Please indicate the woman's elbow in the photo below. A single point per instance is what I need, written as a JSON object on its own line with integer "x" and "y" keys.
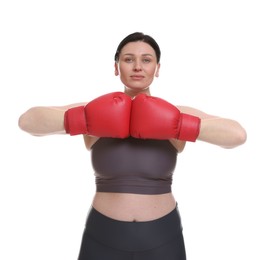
{"x": 22, "y": 122}
{"x": 239, "y": 138}
{"x": 25, "y": 121}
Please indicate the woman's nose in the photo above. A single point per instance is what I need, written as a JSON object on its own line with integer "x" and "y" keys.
{"x": 137, "y": 66}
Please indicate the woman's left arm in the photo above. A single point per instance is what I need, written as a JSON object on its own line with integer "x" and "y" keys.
{"x": 220, "y": 131}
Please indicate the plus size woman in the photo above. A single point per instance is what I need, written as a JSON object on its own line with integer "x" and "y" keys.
{"x": 134, "y": 139}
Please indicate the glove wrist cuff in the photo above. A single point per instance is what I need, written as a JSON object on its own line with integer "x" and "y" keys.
{"x": 75, "y": 121}
{"x": 190, "y": 128}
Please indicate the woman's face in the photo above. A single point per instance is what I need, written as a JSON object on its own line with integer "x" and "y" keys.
{"x": 137, "y": 66}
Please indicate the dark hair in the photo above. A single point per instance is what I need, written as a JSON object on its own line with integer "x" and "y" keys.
{"x": 139, "y": 36}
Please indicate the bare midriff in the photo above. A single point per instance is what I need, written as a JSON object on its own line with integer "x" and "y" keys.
{"x": 133, "y": 207}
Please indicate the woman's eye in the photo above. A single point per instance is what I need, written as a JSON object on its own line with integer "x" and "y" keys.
{"x": 128, "y": 60}
{"x": 146, "y": 60}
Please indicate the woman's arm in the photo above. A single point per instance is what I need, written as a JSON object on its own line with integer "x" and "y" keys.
{"x": 40, "y": 121}
{"x": 224, "y": 132}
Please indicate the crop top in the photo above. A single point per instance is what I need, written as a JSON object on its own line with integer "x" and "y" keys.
{"x": 140, "y": 166}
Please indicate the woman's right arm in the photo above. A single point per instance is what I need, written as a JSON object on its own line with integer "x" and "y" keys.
{"x": 40, "y": 121}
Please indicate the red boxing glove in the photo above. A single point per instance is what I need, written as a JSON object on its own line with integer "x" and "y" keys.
{"x": 105, "y": 116}
{"x": 155, "y": 118}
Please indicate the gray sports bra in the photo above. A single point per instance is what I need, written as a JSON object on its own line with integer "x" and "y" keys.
{"x": 133, "y": 165}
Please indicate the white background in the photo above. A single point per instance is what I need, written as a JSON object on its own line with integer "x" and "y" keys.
{"x": 60, "y": 52}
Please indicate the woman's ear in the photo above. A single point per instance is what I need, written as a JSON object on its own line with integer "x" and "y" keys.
{"x": 116, "y": 69}
{"x": 157, "y": 70}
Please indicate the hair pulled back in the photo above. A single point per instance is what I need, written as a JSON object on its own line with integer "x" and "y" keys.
{"x": 135, "y": 37}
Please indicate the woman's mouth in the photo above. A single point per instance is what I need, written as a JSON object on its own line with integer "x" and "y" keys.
{"x": 136, "y": 77}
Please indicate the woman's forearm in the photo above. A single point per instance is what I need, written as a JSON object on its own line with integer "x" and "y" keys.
{"x": 41, "y": 121}
{"x": 226, "y": 133}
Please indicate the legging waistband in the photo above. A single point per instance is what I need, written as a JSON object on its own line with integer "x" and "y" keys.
{"x": 133, "y": 236}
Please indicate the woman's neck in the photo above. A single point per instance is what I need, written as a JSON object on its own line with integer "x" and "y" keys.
{"x": 133, "y": 92}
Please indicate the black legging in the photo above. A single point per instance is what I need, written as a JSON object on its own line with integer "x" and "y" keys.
{"x": 108, "y": 239}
